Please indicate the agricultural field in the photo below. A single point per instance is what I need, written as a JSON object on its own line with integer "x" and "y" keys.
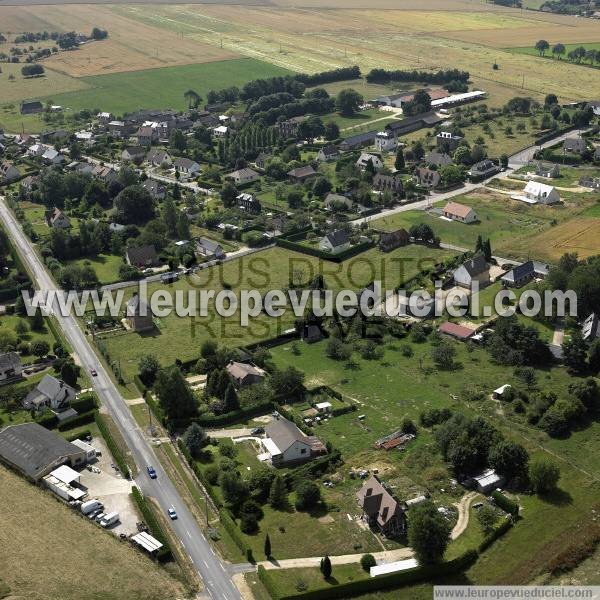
{"x": 110, "y": 565}
{"x": 531, "y": 51}
{"x": 181, "y": 337}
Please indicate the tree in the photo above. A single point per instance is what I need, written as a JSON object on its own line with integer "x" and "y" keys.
{"x": 232, "y": 487}
{"x": 559, "y": 50}
{"x": 170, "y": 217}
{"x": 147, "y": 369}
{"x": 308, "y": 495}
{"x": 195, "y": 439}
{"x": 543, "y": 475}
{"x": 326, "y": 567}
{"x": 174, "y": 394}
{"x": 288, "y": 382}
{"x": 321, "y": 187}
{"x": 399, "y": 163}
{"x": 594, "y": 356}
{"x": 550, "y": 100}
{"x": 443, "y": 355}
{"x": 231, "y": 399}
{"x": 278, "y": 493}
{"x": 347, "y": 102}
{"x": 267, "y": 546}
{"x": 509, "y": 459}
{"x": 229, "y": 194}
{"x": 69, "y": 372}
{"x": 487, "y": 518}
{"x": 367, "y": 561}
{"x": 332, "y": 131}
{"x": 134, "y": 206}
{"x": 177, "y": 140}
{"x": 541, "y": 46}
{"x": 40, "y": 348}
{"x": 421, "y": 103}
{"x": 21, "y": 328}
{"x": 192, "y": 98}
{"x": 462, "y": 155}
{"x": 37, "y": 324}
{"x": 428, "y": 534}
{"x": 575, "y": 353}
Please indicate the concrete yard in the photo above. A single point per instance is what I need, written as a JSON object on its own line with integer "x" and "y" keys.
{"x": 111, "y": 488}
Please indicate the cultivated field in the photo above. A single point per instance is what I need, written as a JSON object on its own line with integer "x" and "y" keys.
{"x": 54, "y": 553}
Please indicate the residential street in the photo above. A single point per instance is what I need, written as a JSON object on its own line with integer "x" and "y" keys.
{"x": 217, "y": 582}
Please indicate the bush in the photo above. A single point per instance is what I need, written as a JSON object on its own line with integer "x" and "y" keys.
{"x": 507, "y": 505}
{"x": 308, "y": 495}
{"x": 367, "y": 561}
{"x": 81, "y": 419}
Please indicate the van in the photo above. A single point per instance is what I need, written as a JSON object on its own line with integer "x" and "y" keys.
{"x": 109, "y": 519}
{"x": 91, "y": 505}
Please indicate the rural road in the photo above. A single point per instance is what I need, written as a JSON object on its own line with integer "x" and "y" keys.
{"x": 217, "y": 581}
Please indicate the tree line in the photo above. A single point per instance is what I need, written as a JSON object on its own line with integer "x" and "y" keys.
{"x": 383, "y": 76}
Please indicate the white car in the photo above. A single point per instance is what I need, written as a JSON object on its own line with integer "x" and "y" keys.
{"x": 172, "y": 513}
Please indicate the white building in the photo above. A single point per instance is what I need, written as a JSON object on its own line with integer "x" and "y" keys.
{"x": 61, "y": 481}
{"x": 89, "y": 450}
{"x": 385, "y": 141}
{"x": 538, "y": 193}
{"x": 364, "y": 159}
{"x": 286, "y": 444}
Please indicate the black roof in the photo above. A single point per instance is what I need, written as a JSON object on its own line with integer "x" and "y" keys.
{"x": 360, "y": 138}
{"x": 426, "y": 119}
{"x": 338, "y": 237}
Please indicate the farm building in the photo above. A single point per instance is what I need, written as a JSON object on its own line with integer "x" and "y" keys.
{"x": 358, "y": 141}
{"x": 34, "y": 451}
{"x": 138, "y": 315}
{"x": 474, "y": 269}
{"x": 380, "y": 509}
{"x": 245, "y": 374}
{"x": 301, "y": 174}
{"x": 521, "y": 274}
{"x": 538, "y": 193}
{"x": 285, "y": 444}
{"x": 487, "y": 481}
{"x": 459, "y": 332}
{"x": 459, "y": 212}
{"x": 90, "y": 451}
{"x": 61, "y": 481}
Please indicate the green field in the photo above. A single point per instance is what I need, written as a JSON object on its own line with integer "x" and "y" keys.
{"x": 105, "y": 265}
{"x": 181, "y": 337}
{"x": 531, "y": 51}
{"x": 163, "y": 88}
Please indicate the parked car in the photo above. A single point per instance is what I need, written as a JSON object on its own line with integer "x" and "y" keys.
{"x": 257, "y": 430}
{"x": 91, "y": 516}
{"x": 99, "y": 517}
{"x": 151, "y": 472}
{"x": 172, "y": 513}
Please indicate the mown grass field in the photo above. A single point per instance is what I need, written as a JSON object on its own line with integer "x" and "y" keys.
{"x": 181, "y": 337}
{"x": 41, "y": 533}
{"x": 531, "y": 51}
{"x": 105, "y": 265}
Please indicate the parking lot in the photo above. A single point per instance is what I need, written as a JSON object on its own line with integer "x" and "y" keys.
{"x": 111, "y": 489}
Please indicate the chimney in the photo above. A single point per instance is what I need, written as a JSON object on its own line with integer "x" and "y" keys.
{"x": 384, "y": 514}
{"x": 369, "y": 491}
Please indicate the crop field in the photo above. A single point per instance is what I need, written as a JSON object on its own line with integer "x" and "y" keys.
{"x": 578, "y": 235}
{"x": 70, "y": 541}
{"x": 181, "y": 337}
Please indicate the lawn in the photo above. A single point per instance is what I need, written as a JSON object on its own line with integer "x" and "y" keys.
{"x": 32, "y": 518}
{"x": 361, "y": 121}
{"x": 271, "y": 269}
{"x": 569, "y": 176}
{"x": 106, "y": 266}
{"x": 8, "y": 324}
{"x": 163, "y": 87}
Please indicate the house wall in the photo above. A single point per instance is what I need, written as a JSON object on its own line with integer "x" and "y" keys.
{"x": 298, "y": 451}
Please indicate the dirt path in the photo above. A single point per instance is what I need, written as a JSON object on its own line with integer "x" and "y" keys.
{"x": 558, "y": 335}
{"x": 229, "y": 433}
{"x": 463, "y": 514}
{"x": 314, "y": 561}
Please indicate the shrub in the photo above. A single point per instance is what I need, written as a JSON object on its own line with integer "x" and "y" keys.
{"x": 367, "y": 561}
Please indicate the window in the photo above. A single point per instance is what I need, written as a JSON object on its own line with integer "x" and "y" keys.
{"x": 303, "y": 451}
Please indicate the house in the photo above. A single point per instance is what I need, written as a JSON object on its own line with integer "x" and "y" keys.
{"x": 446, "y": 141}
{"x": 245, "y": 374}
{"x": 483, "y": 169}
{"x": 35, "y": 451}
{"x": 133, "y": 153}
{"x": 574, "y": 145}
{"x": 327, "y": 153}
{"x": 243, "y": 176}
{"x": 459, "y": 332}
{"x": 155, "y": 188}
{"x": 142, "y": 257}
{"x": 50, "y": 393}
{"x": 336, "y": 241}
{"x": 590, "y": 329}
{"x": 29, "y": 184}
{"x": 366, "y": 157}
{"x": 146, "y": 135}
{"x": 323, "y": 408}
{"x": 439, "y": 159}
{"x": 337, "y": 202}
{"x": 521, "y": 274}
{"x": 390, "y": 240}
{"x": 104, "y": 173}
{"x": 248, "y": 202}
{"x": 10, "y": 366}
{"x": 474, "y": 269}
{"x": 262, "y": 159}
{"x": 359, "y": 140}
{"x": 394, "y": 100}
{"x": 31, "y": 108}
{"x": 119, "y": 129}
{"x": 301, "y": 174}
{"x": 57, "y": 219}
{"x": 590, "y": 182}
{"x": 187, "y": 166}
{"x": 459, "y": 212}
{"x": 393, "y": 183}
{"x": 538, "y": 193}
{"x": 52, "y": 157}
{"x": 487, "y": 481}
{"x": 311, "y": 333}
{"x": 385, "y": 141}
{"x": 220, "y": 130}
{"x": 399, "y": 128}
{"x": 157, "y": 157}
{"x": 289, "y": 128}
{"x": 104, "y": 117}
{"x": 209, "y": 248}
{"x": 380, "y": 509}
{"x": 55, "y": 135}
{"x": 426, "y": 178}
{"x": 286, "y": 445}
{"x": 547, "y": 170}
{"x": 8, "y": 172}
{"x": 138, "y": 315}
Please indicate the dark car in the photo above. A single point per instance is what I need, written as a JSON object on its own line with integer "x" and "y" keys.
{"x": 257, "y": 430}
{"x": 151, "y": 472}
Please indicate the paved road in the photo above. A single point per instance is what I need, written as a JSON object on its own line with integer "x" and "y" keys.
{"x": 217, "y": 580}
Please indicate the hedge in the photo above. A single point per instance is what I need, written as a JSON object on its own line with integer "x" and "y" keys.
{"x": 313, "y": 469}
{"x": 365, "y": 586}
{"x": 85, "y": 402}
{"x": 80, "y": 419}
{"x": 47, "y": 419}
{"x": 507, "y": 505}
{"x": 235, "y": 534}
{"x": 112, "y": 445}
{"x": 155, "y": 407}
{"x": 494, "y": 535}
{"x": 164, "y": 554}
{"x": 78, "y": 436}
{"x": 198, "y": 472}
{"x": 226, "y": 419}
{"x": 140, "y": 384}
{"x": 339, "y": 257}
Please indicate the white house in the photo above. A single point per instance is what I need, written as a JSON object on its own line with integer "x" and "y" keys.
{"x": 220, "y": 131}
{"x": 474, "y": 269}
{"x": 58, "y": 220}
{"x": 242, "y": 176}
{"x": 364, "y": 159}
{"x": 187, "y": 166}
{"x": 385, "y": 141}
{"x": 335, "y": 242}
{"x": 590, "y": 329}
{"x": 538, "y": 193}
{"x": 10, "y": 366}
{"x": 286, "y": 444}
